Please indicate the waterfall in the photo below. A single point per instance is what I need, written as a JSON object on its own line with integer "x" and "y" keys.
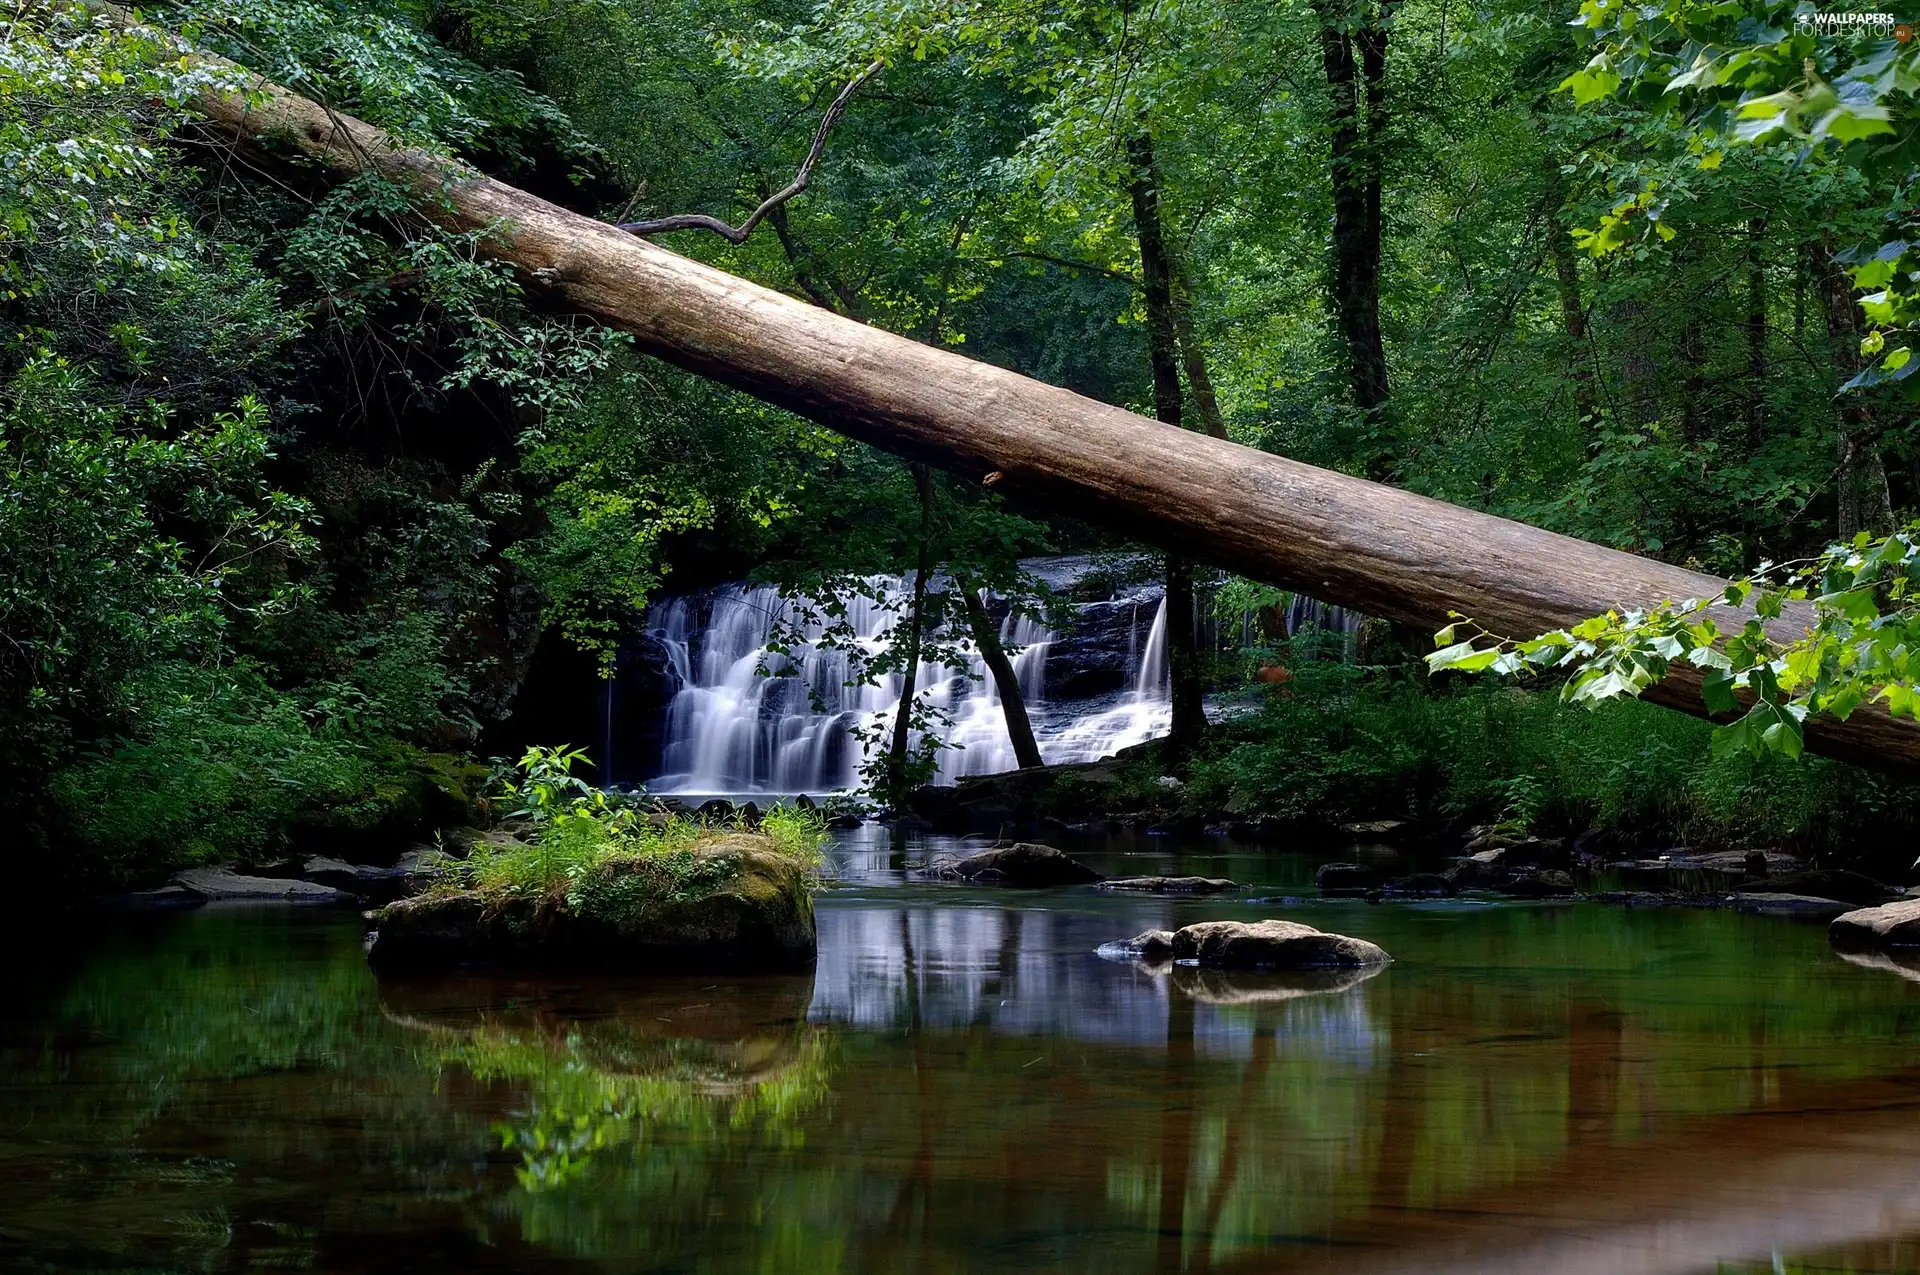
{"x": 1305, "y": 613}
{"x": 728, "y": 729}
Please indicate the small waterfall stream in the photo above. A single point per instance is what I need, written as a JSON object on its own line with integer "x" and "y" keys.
{"x": 731, "y": 729}
{"x": 717, "y": 725}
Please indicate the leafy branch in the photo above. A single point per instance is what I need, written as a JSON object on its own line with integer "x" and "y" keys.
{"x": 1860, "y": 648}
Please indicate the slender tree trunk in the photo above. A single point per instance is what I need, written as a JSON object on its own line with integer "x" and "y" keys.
{"x": 1019, "y": 728}
{"x": 1354, "y": 158}
{"x": 1189, "y": 719}
{"x": 1756, "y": 326}
{"x": 1862, "y": 501}
{"x": 1573, "y": 312}
{"x": 1193, "y": 357}
{"x": 909, "y": 675}
{"x": 1802, "y": 274}
{"x": 1639, "y": 369}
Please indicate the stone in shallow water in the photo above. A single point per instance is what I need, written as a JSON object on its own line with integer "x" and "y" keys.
{"x": 1869, "y": 929}
{"x": 1274, "y": 945}
{"x": 1345, "y": 878}
{"x": 1024, "y": 863}
{"x": 1763, "y": 903}
{"x": 223, "y": 885}
{"x": 1172, "y": 885}
{"x": 1548, "y": 884}
{"x": 758, "y": 916}
{"x": 1152, "y": 946}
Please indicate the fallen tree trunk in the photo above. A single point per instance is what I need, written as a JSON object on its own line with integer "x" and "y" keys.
{"x": 1343, "y": 539}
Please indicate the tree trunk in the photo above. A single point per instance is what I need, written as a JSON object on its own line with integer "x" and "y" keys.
{"x": 1861, "y": 499}
{"x": 1188, "y": 722}
{"x": 1756, "y": 326}
{"x": 1019, "y": 729}
{"x": 1387, "y": 552}
{"x": 1573, "y": 313}
{"x": 916, "y": 619}
{"x": 1193, "y": 358}
{"x": 1354, "y": 162}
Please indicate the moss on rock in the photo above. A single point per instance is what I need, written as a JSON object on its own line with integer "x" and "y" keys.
{"x": 732, "y": 901}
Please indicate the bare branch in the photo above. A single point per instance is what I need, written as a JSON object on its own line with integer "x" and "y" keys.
{"x": 700, "y": 221}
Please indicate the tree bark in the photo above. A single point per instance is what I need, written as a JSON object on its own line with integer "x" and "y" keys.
{"x": 916, "y": 620}
{"x": 1862, "y": 501}
{"x": 1756, "y": 326}
{"x": 1355, "y": 172}
{"x": 1019, "y": 727}
{"x": 1187, "y": 723}
{"x": 1573, "y": 313}
{"x": 1387, "y": 552}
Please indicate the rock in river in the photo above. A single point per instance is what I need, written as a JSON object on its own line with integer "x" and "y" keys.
{"x": 1870, "y": 929}
{"x": 1345, "y": 878}
{"x": 1271, "y": 945}
{"x": 1024, "y": 863}
{"x": 743, "y": 906}
{"x": 226, "y": 885}
{"x": 1172, "y": 885}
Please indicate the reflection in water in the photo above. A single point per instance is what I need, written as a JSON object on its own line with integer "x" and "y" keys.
{"x": 965, "y": 1085}
{"x": 606, "y": 1071}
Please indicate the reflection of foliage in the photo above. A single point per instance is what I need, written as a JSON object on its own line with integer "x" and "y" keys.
{"x": 595, "y": 1090}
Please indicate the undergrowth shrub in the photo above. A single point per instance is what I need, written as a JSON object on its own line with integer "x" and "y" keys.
{"x": 1340, "y": 744}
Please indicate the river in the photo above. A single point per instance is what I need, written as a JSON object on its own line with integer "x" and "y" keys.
{"x": 965, "y": 1085}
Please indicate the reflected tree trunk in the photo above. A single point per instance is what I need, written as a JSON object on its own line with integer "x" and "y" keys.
{"x": 1176, "y": 1134}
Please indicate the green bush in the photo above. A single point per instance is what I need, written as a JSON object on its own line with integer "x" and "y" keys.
{"x": 1341, "y": 744}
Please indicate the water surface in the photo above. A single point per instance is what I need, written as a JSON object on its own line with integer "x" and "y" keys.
{"x": 963, "y": 1085}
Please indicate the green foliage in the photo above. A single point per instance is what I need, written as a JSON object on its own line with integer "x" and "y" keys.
{"x": 597, "y": 854}
{"x": 1857, "y": 649}
{"x": 1356, "y": 747}
{"x": 1768, "y": 72}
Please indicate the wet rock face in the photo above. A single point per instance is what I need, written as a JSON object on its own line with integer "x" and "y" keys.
{"x": 1271, "y": 945}
{"x": 1092, "y": 660}
{"x": 1021, "y": 864}
{"x": 1891, "y": 925}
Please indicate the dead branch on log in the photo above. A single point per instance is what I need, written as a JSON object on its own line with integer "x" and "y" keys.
{"x": 738, "y": 234}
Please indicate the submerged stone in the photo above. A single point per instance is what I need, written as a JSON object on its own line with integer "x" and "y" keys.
{"x": 1548, "y": 884}
{"x": 1024, "y": 863}
{"x": 1832, "y": 883}
{"x": 745, "y": 907}
{"x": 1345, "y": 878}
{"x": 1768, "y": 903}
{"x": 1172, "y": 885}
{"x": 226, "y": 885}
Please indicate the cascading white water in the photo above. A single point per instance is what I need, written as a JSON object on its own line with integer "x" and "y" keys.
{"x": 730, "y": 729}
{"x": 1305, "y": 613}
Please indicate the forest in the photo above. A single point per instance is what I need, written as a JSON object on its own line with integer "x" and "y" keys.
{"x": 1154, "y": 637}
{"x": 311, "y": 507}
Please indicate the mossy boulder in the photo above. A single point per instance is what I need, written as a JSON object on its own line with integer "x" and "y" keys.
{"x": 737, "y": 903}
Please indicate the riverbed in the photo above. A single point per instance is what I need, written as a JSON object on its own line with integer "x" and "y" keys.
{"x": 963, "y": 1084}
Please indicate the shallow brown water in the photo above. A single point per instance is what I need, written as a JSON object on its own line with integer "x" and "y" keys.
{"x": 963, "y": 1085}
